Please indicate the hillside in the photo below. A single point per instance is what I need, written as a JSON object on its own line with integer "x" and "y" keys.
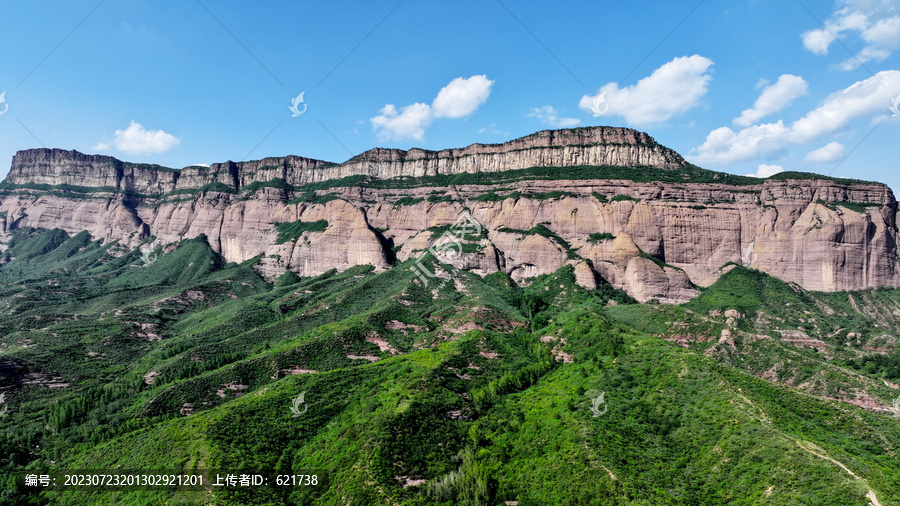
{"x": 573, "y": 317}
{"x": 471, "y": 391}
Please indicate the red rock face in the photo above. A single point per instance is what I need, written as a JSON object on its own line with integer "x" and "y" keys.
{"x": 796, "y": 230}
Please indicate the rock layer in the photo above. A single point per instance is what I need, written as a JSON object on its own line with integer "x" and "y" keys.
{"x": 654, "y": 240}
{"x": 548, "y": 148}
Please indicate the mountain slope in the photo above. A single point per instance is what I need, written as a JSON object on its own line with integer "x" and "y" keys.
{"x": 469, "y": 391}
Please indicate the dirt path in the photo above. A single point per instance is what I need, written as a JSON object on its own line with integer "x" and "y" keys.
{"x": 871, "y": 494}
{"x": 611, "y": 475}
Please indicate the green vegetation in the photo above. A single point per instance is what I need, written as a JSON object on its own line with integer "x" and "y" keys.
{"x": 596, "y": 237}
{"x": 556, "y": 194}
{"x": 622, "y": 198}
{"x": 407, "y": 201}
{"x": 655, "y": 260}
{"x": 70, "y": 191}
{"x": 783, "y": 176}
{"x": 433, "y": 199}
{"x": 859, "y": 207}
{"x": 317, "y": 193}
{"x": 439, "y": 230}
{"x": 478, "y": 386}
{"x": 542, "y": 230}
{"x": 689, "y": 174}
{"x": 209, "y": 187}
{"x": 600, "y": 198}
{"x": 255, "y": 186}
{"x": 494, "y": 197}
{"x": 746, "y": 290}
{"x": 878, "y": 365}
{"x": 311, "y": 197}
{"x": 290, "y": 231}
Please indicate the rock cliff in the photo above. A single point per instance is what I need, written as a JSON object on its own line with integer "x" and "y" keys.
{"x": 549, "y": 148}
{"x": 658, "y": 230}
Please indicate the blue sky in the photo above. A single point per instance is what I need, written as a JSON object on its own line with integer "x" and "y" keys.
{"x": 745, "y": 87}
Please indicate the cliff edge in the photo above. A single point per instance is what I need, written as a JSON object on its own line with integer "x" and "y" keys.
{"x": 611, "y": 202}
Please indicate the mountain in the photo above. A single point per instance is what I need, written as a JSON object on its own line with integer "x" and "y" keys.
{"x": 611, "y": 201}
{"x": 574, "y": 317}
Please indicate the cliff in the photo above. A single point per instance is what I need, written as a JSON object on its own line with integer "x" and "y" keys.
{"x": 657, "y": 229}
{"x": 549, "y": 148}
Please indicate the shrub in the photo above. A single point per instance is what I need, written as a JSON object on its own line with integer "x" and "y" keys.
{"x": 290, "y": 231}
{"x": 407, "y": 201}
{"x": 600, "y": 236}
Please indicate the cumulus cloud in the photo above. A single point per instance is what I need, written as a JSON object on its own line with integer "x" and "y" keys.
{"x": 767, "y": 170}
{"x": 459, "y": 99}
{"x": 859, "y": 99}
{"x": 549, "y": 116}
{"x": 411, "y": 122}
{"x": 724, "y": 145}
{"x": 863, "y": 98}
{"x": 773, "y": 98}
{"x": 830, "y": 152}
{"x": 136, "y": 140}
{"x": 875, "y": 22}
{"x": 672, "y": 89}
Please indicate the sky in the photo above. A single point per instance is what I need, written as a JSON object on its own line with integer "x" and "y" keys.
{"x": 744, "y": 86}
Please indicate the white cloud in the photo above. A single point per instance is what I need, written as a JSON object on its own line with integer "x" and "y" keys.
{"x": 411, "y": 122}
{"x": 458, "y": 99}
{"x": 830, "y": 152}
{"x": 493, "y": 130}
{"x": 723, "y": 145}
{"x": 876, "y": 22}
{"x": 861, "y": 98}
{"x": 773, "y": 98}
{"x": 767, "y": 170}
{"x": 866, "y": 97}
{"x": 817, "y": 41}
{"x": 461, "y": 97}
{"x": 672, "y": 89}
{"x": 845, "y": 19}
{"x": 136, "y": 140}
{"x": 549, "y": 116}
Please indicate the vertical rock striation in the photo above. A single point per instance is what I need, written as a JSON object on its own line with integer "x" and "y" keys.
{"x": 655, "y": 240}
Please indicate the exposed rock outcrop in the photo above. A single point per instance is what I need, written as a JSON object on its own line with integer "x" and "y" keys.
{"x": 548, "y": 148}
{"x": 653, "y": 240}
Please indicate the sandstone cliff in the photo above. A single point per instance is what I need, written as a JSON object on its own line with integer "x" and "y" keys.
{"x": 655, "y": 240}
{"x": 548, "y": 148}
